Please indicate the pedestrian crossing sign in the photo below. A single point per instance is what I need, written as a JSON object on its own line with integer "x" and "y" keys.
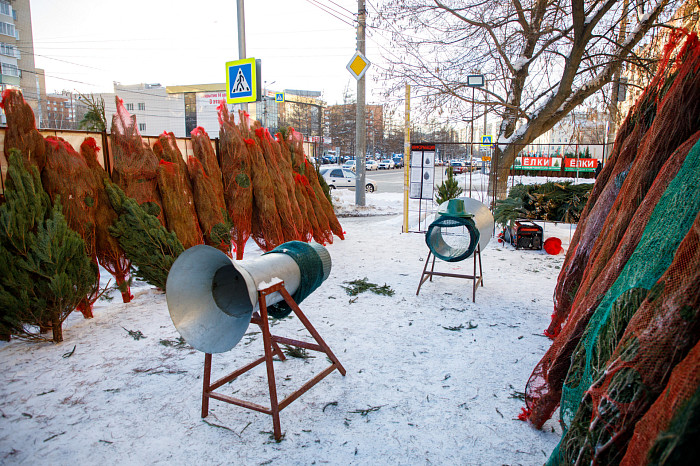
{"x": 486, "y": 141}
{"x": 242, "y": 81}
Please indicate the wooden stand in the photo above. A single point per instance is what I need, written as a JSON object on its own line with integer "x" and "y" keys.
{"x": 476, "y": 279}
{"x": 271, "y": 348}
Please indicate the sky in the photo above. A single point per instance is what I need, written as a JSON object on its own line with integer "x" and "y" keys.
{"x": 86, "y": 45}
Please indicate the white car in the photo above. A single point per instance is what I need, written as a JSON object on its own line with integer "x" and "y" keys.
{"x": 349, "y": 165}
{"x": 371, "y": 165}
{"x": 386, "y": 164}
{"x": 344, "y": 178}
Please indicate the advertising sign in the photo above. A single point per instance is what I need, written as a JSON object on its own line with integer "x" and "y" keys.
{"x": 581, "y": 165}
{"x": 422, "y": 171}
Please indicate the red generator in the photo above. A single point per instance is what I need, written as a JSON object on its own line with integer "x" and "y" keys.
{"x": 524, "y": 235}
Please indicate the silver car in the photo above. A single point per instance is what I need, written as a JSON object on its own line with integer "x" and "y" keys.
{"x": 344, "y": 178}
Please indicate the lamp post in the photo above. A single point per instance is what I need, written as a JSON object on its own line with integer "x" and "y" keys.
{"x": 473, "y": 81}
{"x": 264, "y": 98}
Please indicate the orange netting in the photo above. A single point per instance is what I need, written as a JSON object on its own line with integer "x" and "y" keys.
{"x": 135, "y": 165}
{"x": 211, "y": 210}
{"x": 266, "y": 226}
{"x": 110, "y": 254}
{"x": 611, "y": 230}
{"x": 659, "y": 336}
{"x": 655, "y": 435}
{"x": 165, "y": 148}
{"x": 236, "y": 171}
{"x": 21, "y": 132}
{"x": 178, "y": 204}
{"x": 67, "y": 178}
{"x": 288, "y": 220}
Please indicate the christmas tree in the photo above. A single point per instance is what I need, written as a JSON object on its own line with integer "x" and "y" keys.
{"x": 44, "y": 270}
{"x": 449, "y": 189}
{"x": 151, "y": 248}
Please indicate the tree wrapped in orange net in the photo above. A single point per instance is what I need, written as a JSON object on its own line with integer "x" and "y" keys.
{"x": 667, "y": 434}
{"x": 211, "y": 210}
{"x": 135, "y": 165}
{"x": 284, "y": 206}
{"x": 266, "y": 226}
{"x": 178, "y": 204}
{"x": 21, "y": 132}
{"x": 175, "y": 189}
{"x": 630, "y": 135}
{"x": 110, "y": 254}
{"x": 303, "y": 193}
{"x": 322, "y": 206}
{"x": 659, "y": 336}
{"x": 67, "y": 177}
{"x": 236, "y": 169}
{"x": 621, "y": 231}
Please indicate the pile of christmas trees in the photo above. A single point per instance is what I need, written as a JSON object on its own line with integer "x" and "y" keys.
{"x": 623, "y": 367}
{"x": 61, "y": 203}
{"x": 551, "y": 201}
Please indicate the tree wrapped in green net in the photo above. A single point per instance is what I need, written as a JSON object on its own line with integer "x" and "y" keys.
{"x": 135, "y": 166}
{"x": 45, "y": 271}
{"x": 151, "y": 248}
{"x": 236, "y": 172}
{"x": 110, "y": 254}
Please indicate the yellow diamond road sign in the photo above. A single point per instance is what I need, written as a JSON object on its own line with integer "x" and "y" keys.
{"x": 358, "y": 65}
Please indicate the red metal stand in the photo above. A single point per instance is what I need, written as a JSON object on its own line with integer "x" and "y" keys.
{"x": 476, "y": 279}
{"x": 271, "y": 348}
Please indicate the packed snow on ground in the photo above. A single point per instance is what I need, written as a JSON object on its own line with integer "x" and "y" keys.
{"x": 431, "y": 379}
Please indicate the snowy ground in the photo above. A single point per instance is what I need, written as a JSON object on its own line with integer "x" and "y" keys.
{"x": 431, "y": 379}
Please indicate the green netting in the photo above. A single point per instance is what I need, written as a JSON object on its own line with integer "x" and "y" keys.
{"x": 447, "y": 239}
{"x": 668, "y": 224}
{"x": 311, "y": 268}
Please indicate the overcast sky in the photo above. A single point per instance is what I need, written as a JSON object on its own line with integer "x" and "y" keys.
{"x": 85, "y": 45}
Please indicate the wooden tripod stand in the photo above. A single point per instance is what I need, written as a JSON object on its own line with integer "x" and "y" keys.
{"x": 476, "y": 279}
{"x": 271, "y": 348}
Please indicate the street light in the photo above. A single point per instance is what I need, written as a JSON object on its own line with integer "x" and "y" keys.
{"x": 473, "y": 81}
{"x": 264, "y": 98}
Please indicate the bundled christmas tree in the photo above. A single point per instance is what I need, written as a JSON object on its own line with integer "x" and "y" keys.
{"x": 44, "y": 271}
{"x": 109, "y": 254}
{"x": 151, "y": 248}
{"x": 449, "y": 189}
{"x": 21, "y": 130}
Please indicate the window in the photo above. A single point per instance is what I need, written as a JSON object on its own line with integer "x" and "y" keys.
{"x": 7, "y": 29}
{"x": 337, "y": 173}
{"x": 5, "y": 9}
{"x": 9, "y": 50}
{"x": 130, "y": 107}
{"x": 142, "y": 106}
{"x": 142, "y": 126}
{"x": 10, "y": 70}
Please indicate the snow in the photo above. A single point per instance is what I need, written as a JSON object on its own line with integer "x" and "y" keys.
{"x": 430, "y": 378}
{"x": 263, "y": 285}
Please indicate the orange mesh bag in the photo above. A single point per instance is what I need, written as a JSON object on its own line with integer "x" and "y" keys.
{"x": 178, "y": 204}
{"x": 298, "y": 206}
{"x": 606, "y": 189}
{"x": 110, "y": 254}
{"x": 21, "y": 132}
{"x": 664, "y": 433}
{"x": 660, "y": 335}
{"x": 284, "y": 206}
{"x": 612, "y": 249}
{"x": 203, "y": 150}
{"x": 66, "y": 177}
{"x": 135, "y": 166}
{"x": 165, "y": 148}
{"x": 211, "y": 210}
{"x": 236, "y": 174}
{"x": 305, "y": 196}
{"x": 266, "y": 226}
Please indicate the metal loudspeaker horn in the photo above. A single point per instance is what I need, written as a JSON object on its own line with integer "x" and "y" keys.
{"x": 211, "y": 298}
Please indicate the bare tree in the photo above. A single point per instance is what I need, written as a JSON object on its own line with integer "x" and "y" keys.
{"x": 94, "y": 119}
{"x": 542, "y": 58}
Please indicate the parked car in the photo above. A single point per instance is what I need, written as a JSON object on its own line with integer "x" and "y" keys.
{"x": 371, "y": 165}
{"x": 386, "y": 164}
{"x": 349, "y": 165}
{"x": 457, "y": 167}
{"x": 344, "y": 178}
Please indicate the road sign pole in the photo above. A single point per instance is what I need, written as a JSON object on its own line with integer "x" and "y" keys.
{"x": 360, "y": 126}
{"x": 241, "y": 37}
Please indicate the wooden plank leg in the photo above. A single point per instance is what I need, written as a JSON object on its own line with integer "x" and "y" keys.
{"x": 422, "y": 276}
{"x": 205, "y": 388}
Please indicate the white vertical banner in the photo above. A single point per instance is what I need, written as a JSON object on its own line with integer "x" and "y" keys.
{"x": 422, "y": 171}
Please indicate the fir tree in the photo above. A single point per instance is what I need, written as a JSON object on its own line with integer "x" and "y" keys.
{"x": 44, "y": 270}
{"x": 449, "y": 189}
{"x": 151, "y": 248}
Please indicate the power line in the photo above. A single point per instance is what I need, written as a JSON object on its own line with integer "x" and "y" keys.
{"x": 330, "y": 12}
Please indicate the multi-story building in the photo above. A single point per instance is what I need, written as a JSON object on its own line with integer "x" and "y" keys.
{"x": 340, "y": 127}
{"x": 17, "y": 69}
